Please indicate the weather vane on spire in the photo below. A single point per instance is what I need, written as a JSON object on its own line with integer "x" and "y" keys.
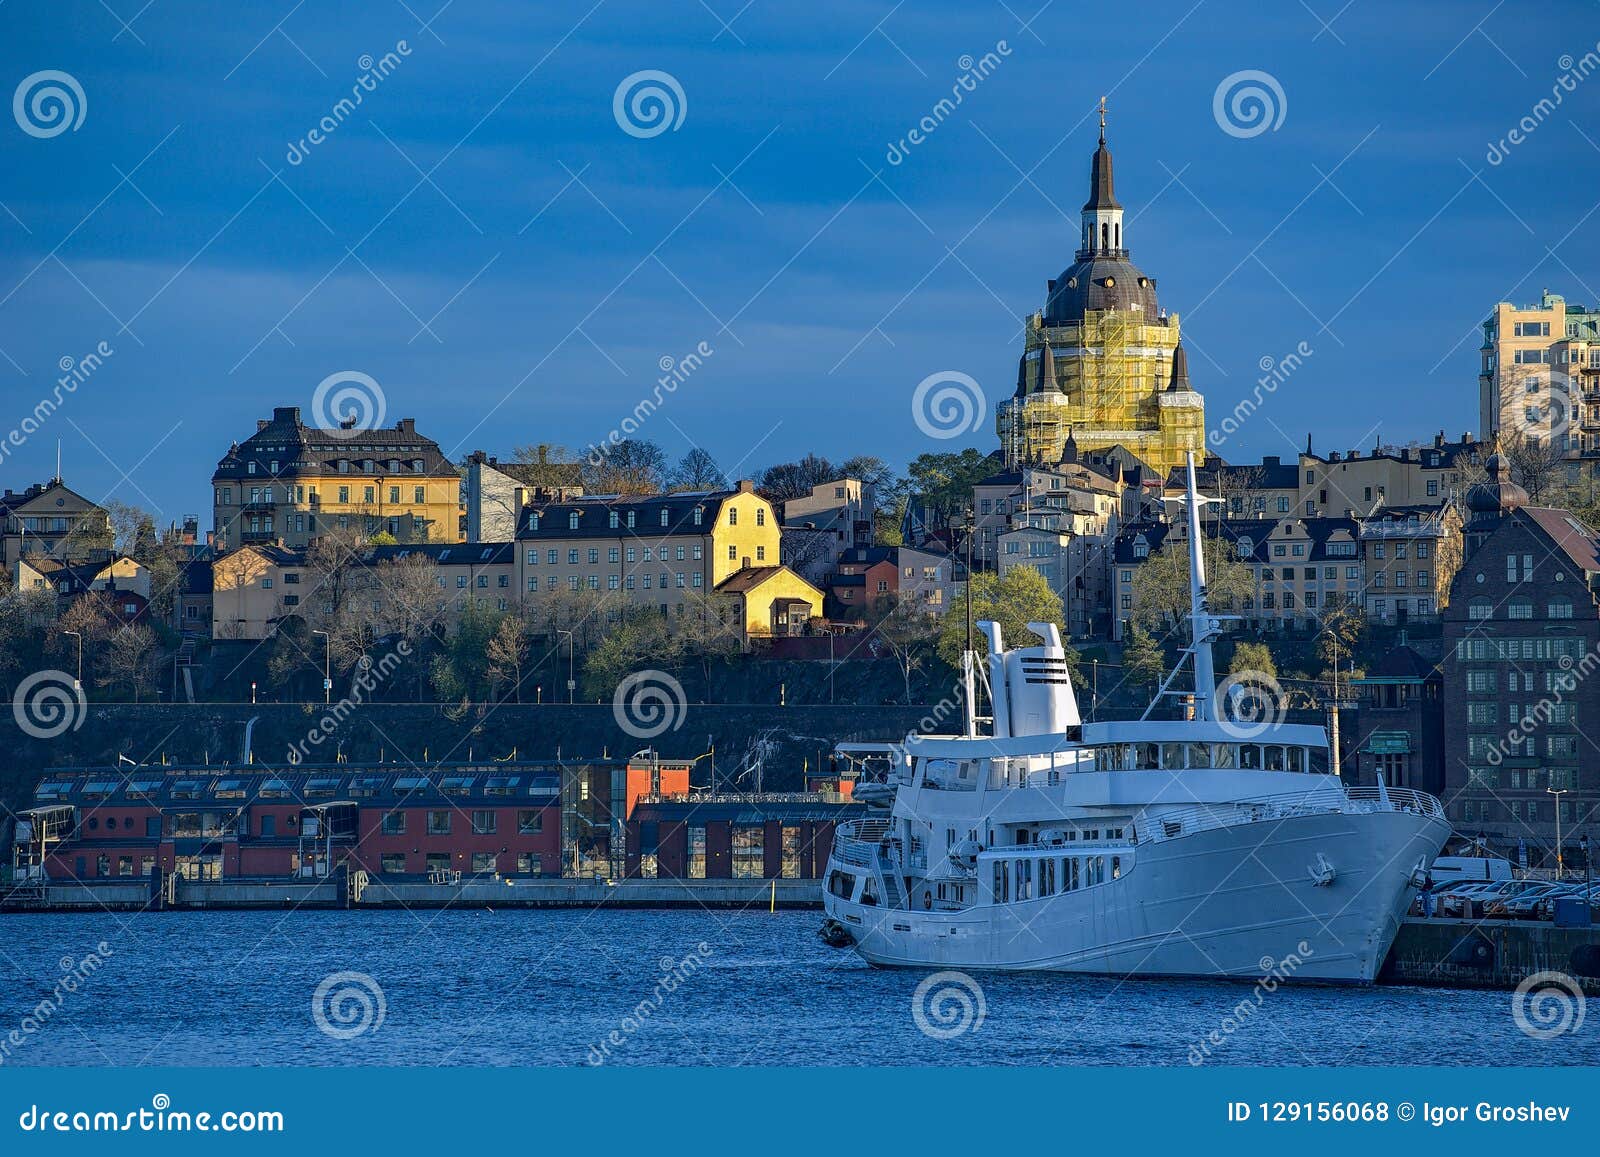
{"x": 1102, "y": 117}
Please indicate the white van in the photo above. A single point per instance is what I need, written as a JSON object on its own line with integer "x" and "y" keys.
{"x": 1458, "y": 869}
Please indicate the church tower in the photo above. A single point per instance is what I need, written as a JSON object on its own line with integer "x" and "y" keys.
{"x": 1102, "y": 362}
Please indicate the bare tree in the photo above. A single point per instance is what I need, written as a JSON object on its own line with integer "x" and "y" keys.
{"x": 508, "y": 654}
{"x": 130, "y": 659}
{"x": 698, "y": 470}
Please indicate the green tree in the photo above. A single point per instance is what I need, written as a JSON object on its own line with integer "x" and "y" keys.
{"x": 1161, "y": 583}
{"x": 1143, "y": 660}
{"x": 1014, "y": 601}
{"x": 637, "y": 641}
{"x": 461, "y": 671}
{"x": 945, "y": 481}
{"x": 1253, "y": 657}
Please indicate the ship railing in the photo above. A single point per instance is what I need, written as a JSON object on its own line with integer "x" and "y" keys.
{"x": 1402, "y": 799}
{"x": 860, "y": 842}
{"x": 1169, "y": 825}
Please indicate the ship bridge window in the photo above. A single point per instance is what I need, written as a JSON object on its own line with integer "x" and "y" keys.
{"x": 1224, "y": 755}
{"x": 1250, "y": 756}
{"x": 1273, "y": 757}
{"x": 1199, "y": 755}
{"x": 1297, "y": 759}
{"x": 1146, "y": 756}
{"x": 1172, "y": 755}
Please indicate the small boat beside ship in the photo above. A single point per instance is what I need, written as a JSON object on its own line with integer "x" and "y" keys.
{"x": 1205, "y": 845}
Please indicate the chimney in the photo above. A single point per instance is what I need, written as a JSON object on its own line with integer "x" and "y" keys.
{"x": 406, "y": 425}
{"x": 288, "y": 414}
{"x": 262, "y": 424}
{"x": 745, "y": 487}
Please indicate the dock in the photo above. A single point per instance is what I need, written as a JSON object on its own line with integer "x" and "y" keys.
{"x": 1465, "y": 953}
{"x": 357, "y": 892}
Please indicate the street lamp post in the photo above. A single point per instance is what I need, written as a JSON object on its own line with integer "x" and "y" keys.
{"x": 1558, "y": 792}
{"x": 327, "y": 666}
{"x": 572, "y": 645}
{"x": 1588, "y": 876}
{"x": 78, "y": 685}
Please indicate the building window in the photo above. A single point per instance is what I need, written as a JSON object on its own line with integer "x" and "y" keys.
{"x": 394, "y": 823}
{"x": 483, "y": 822}
{"x": 791, "y": 853}
{"x": 697, "y": 852}
{"x": 733, "y": 516}
{"x": 749, "y": 852}
{"x": 530, "y": 822}
{"x": 482, "y": 863}
{"x": 439, "y": 823}
{"x": 392, "y": 863}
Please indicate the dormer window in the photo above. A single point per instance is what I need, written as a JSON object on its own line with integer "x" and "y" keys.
{"x": 533, "y": 520}
{"x": 630, "y": 519}
{"x": 273, "y": 466}
{"x": 416, "y": 465}
{"x": 615, "y": 520}
{"x": 699, "y": 514}
{"x": 1246, "y": 548}
{"x": 663, "y": 516}
{"x": 572, "y": 521}
{"x": 1141, "y": 547}
{"x": 250, "y": 468}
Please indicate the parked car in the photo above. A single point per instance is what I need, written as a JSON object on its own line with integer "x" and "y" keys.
{"x": 1524, "y": 905}
{"x": 1453, "y": 901}
{"x": 1546, "y": 905}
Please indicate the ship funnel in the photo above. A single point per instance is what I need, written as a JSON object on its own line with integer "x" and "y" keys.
{"x": 1039, "y": 693}
{"x": 999, "y": 700}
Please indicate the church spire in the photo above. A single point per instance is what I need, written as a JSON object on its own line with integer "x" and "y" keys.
{"x": 1180, "y": 370}
{"x": 1102, "y": 215}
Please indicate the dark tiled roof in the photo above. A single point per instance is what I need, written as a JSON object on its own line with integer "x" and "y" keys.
{"x": 1402, "y": 663}
{"x": 747, "y": 579}
{"x": 302, "y": 450}
{"x": 554, "y": 519}
{"x": 446, "y": 553}
{"x": 752, "y": 811}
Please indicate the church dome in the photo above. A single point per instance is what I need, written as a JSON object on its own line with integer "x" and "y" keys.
{"x": 1099, "y": 282}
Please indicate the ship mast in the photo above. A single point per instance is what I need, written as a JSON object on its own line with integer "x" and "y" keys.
{"x": 1202, "y": 626}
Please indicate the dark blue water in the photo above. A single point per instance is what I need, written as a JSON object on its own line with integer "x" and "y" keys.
{"x": 549, "y": 988}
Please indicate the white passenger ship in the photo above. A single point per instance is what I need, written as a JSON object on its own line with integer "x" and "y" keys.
{"x": 1200, "y": 846}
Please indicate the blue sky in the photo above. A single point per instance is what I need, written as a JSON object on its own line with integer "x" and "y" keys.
{"x": 484, "y": 240}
